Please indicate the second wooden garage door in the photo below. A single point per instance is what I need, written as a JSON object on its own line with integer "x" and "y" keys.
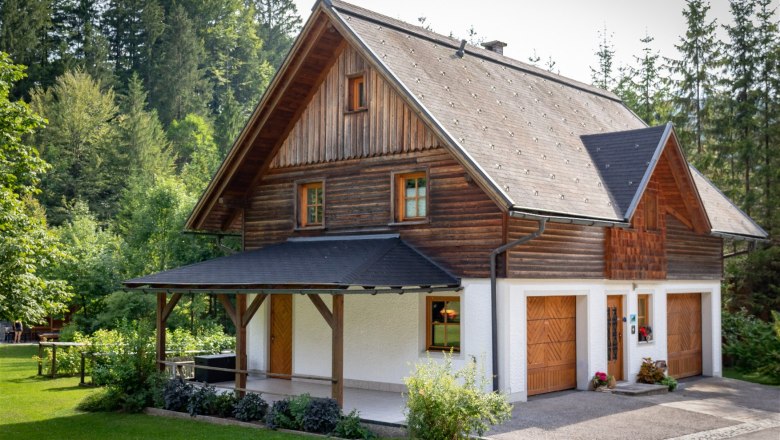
{"x": 683, "y": 315}
{"x": 552, "y": 348}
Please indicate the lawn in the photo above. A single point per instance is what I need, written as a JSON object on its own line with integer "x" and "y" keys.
{"x": 733, "y": 373}
{"x": 38, "y": 407}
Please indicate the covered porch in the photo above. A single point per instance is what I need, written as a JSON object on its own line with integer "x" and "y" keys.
{"x": 315, "y": 268}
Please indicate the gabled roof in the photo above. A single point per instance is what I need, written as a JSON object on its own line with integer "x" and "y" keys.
{"x": 529, "y": 137}
{"x": 334, "y": 261}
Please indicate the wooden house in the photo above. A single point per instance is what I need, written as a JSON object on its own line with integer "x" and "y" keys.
{"x": 450, "y": 198}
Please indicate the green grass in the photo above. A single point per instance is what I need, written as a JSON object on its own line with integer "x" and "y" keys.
{"x": 733, "y": 373}
{"x": 39, "y": 407}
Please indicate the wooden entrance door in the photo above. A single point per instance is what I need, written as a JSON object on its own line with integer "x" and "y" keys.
{"x": 552, "y": 348}
{"x": 615, "y": 336}
{"x": 280, "y": 356}
{"x": 683, "y": 317}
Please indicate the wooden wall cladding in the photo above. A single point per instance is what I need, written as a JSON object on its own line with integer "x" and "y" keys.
{"x": 327, "y": 132}
{"x": 464, "y": 224}
{"x": 671, "y": 251}
{"x": 691, "y": 256}
{"x": 563, "y": 251}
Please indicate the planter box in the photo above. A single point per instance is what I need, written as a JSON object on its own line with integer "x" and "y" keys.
{"x": 215, "y": 360}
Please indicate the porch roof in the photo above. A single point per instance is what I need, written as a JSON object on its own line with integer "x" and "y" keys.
{"x": 334, "y": 262}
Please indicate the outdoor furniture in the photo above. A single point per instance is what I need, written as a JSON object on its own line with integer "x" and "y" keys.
{"x": 215, "y": 360}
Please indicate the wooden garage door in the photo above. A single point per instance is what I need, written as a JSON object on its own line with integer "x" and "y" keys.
{"x": 683, "y": 315}
{"x": 552, "y": 350}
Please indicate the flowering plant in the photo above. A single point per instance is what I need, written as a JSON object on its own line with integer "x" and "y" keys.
{"x": 645, "y": 333}
{"x": 601, "y": 379}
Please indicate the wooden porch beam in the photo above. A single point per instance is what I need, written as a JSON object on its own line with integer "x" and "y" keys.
{"x": 337, "y": 357}
{"x": 225, "y": 300}
{"x": 323, "y": 309}
{"x": 252, "y": 309}
{"x": 170, "y": 305}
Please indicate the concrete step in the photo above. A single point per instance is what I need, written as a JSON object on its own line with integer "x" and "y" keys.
{"x": 639, "y": 389}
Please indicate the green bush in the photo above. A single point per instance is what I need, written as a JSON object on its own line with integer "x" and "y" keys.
{"x": 288, "y": 413}
{"x": 670, "y": 382}
{"x": 251, "y": 407}
{"x": 649, "y": 373}
{"x": 349, "y": 427}
{"x": 321, "y": 416}
{"x": 752, "y": 344}
{"x": 446, "y": 404}
{"x": 176, "y": 394}
{"x": 225, "y": 404}
{"x": 202, "y": 401}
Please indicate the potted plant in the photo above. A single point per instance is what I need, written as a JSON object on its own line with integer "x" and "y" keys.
{"x": 645, "y": 333}
{"x": 602, "y": 381}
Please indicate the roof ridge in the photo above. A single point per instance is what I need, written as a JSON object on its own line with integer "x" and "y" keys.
{"x": 485, "y": 54}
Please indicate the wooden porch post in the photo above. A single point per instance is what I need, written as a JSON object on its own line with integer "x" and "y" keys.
{"x": 164, "y": 309}
{"x": 241, "y": 343}
{"x": 337, "y": 357}
{"x": 160, "y": 322}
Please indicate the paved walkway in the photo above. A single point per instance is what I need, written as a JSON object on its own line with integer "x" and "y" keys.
{"x": 701, "y": 408}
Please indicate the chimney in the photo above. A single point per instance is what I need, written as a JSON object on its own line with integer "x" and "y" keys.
{"x": 495, "y": 46}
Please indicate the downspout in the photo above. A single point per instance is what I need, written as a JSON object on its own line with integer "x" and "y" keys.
{"x": 493, "y": 294}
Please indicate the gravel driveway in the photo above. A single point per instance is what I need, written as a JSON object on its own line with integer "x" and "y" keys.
{"x": 701, "y": 408}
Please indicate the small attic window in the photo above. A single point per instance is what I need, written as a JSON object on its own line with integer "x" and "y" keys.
{"x": 357, "y": 93}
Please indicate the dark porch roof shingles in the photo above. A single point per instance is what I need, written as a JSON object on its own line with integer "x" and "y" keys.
{"x": 337, "y": 262}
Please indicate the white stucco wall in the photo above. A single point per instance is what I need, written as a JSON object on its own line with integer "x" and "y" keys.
{"x": 591, "y": 326}
{"x": 384, "y": 335}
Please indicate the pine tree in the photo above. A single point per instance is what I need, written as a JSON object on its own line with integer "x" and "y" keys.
{"x": 178, "y": 85}
{"x": 143, "y": 137}
{"x": 603, "y": 75}
{"x": 80, "y": 143}
{"x": 694, "y": 71}
{"x": 278, "y": 23}
{"x": 741, "y": 66}
{"x": 229, "y": 122}
{"x": 651, "y": 93}
{"x": 768, "y": 54}
{"x": 24, "y": 34}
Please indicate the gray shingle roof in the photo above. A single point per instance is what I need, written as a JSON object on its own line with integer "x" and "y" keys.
{"x": 541, "y": 140}
{"x": 724, "y": 216}
{"x": 622, "y": 159}
{"x": 333, "y": 261}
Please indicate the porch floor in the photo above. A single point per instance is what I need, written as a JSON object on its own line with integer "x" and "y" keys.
{"x": 375, "y": 406}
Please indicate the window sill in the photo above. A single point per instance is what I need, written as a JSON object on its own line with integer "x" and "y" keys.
{"x": 309, "y": 228}
{"x": 439, "y": 354}
{"x": 410, "y": 222}
{"x": 646, "y": 342}
{"x": 359, "y": 110}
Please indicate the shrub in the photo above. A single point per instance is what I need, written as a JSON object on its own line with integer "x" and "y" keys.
{"x": 104, "y": 400}
{"x": 349, "y": 427}
{"x": 649, "y": 372}
{"x": 670, "y": 382}
{"x": 288, "y": 413}
{"x": 251, "y": 407}
{"x": 176, "y": 394}
{"x": 321, "y": 416}
{"x": 753, "y": 345}
{"x": 224, "y": 405}
{"x": 446, "y": 404}
{"x": 202, "y": 400}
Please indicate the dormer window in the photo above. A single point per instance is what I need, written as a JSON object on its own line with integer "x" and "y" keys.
{"x": 311, "y": 203}
{"x": 357, "y": 93}
{"x": 411, "y": 190}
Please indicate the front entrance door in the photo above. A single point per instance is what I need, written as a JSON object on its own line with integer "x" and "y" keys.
{"x": 280, "y": 357}
{"x": 615, "y": 336}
